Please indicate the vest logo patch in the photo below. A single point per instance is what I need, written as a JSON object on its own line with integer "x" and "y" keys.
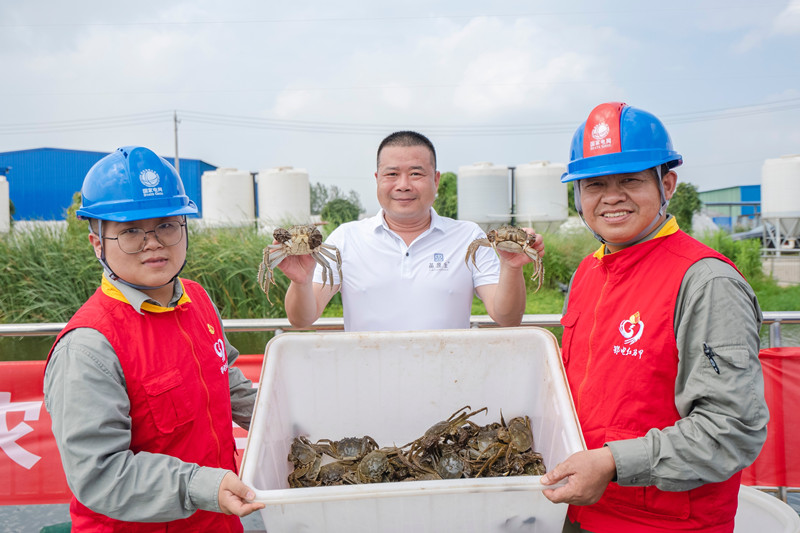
{"x": 219, "y": 349}
{"x": 632, "y": 328}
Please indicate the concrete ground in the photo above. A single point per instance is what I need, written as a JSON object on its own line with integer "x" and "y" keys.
{"x": 32, "y": 518}
{"x": 785, "y": 269}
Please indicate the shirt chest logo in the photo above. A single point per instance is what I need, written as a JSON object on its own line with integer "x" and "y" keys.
{"x": 438, "y": 263}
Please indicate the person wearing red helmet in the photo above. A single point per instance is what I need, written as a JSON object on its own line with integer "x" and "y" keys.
{"x": 660, "y": 347}
{"x": 139, "y": 384}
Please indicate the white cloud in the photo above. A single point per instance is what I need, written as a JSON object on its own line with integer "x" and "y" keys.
{"x": 788, "y": 22}
{"x": 416, "y": 64}
{"x": 397, "y": 96}
{"x": 500, "y": 65}
{"x": 293, "y": 102}
{"x": 494, "y": 81}
{"x": 758, "y": 30}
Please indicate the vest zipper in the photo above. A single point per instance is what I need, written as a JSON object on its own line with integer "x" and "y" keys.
{"x": 205, "y": 388}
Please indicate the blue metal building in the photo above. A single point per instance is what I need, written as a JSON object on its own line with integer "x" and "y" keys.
{"x": 732, "y": 206}
{"x": 42, "y": 181}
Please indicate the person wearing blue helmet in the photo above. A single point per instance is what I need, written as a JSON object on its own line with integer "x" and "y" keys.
{"x": 660, "y": 347}
{"x": 140, "y": 384}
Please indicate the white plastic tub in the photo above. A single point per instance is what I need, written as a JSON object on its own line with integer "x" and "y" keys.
{"x": 759, "y": 512}
{"x": 393, "y": 386}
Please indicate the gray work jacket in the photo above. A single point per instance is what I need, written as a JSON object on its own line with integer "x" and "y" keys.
{"x": 724, "y": 415}
{"x": 85, "y": 394}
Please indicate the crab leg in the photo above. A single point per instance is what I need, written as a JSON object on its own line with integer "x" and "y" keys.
{"x": 327, "y": 272}
{"x": 265, "y": 274}
{"x": 471, "y": 251}
{"x": 262, "y": 269}
{"x": 329, "y": 255}
{"x": 276, "y": 260}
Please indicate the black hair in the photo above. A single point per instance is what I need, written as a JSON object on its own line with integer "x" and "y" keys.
{"x": 407, "y": 138}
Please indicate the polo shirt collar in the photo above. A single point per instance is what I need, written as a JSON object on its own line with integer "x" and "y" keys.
{"x": 436, "y": 221}
{"x": 380, "y": 221}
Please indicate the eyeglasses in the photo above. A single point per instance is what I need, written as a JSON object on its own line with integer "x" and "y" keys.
{"x": 132, "y": 240}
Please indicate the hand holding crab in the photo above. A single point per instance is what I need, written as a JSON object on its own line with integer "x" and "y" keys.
{"x": 298, "y": 241}
{"x": 513, "y": 240}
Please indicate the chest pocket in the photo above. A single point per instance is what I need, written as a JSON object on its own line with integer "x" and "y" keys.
{"x": 169, "y": 400}
{"x": 569, "y": 320}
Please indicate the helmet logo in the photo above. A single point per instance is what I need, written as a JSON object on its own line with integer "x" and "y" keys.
{"x": 149, "y": 178}
{"x": 600, "y": 133}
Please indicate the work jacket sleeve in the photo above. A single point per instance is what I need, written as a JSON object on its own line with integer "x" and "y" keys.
{"x": 723, "y": 411}
{"x": 86, "y": 397}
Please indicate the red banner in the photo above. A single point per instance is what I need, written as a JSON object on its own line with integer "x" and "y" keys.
{"x": 30, "y": 466}
{"x": 31, "y": 473}
{"x": 777, "y": 465}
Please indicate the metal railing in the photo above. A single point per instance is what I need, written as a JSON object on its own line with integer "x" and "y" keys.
{"x": 774, "y": 319}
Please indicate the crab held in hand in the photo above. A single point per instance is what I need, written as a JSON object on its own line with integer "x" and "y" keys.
{"x": 297, "y": 240}
{"x": 514, "y": 240}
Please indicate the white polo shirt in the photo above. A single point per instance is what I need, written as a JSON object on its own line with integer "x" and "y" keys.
{"x": 389, "y": 286}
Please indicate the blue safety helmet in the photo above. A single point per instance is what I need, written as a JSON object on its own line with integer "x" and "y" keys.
{"x": 619, "y": 139}
{"x": 133, "y": 183}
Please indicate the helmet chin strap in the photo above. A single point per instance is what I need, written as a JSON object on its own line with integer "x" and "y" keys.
{"x": 646, "y": 231}
{"x": 115, "y": 277}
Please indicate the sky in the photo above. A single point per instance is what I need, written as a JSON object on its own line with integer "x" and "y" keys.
{"x": 316, "y": 85}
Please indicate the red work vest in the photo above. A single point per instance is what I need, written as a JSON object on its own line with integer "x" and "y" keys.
{"x": 176, "y": 375}
{"x": 621, "y": 360}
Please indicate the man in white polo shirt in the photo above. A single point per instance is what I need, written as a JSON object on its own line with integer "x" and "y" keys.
{"x": 404, "y": 268}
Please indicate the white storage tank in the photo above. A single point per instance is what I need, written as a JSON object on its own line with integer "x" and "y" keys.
{"x": 541, "y": 198}
{"x": 484, "y": 195}
{"x": 284, "y": 196}
{"x": 780, "y": 194}
{"x": 228, "y": 197}
{"x": 5, "y": 211}
{"x": 780, "y": 187}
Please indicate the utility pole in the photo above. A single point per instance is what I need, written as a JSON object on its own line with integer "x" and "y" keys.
{"x": 513, "y": 196}
{"x": 177, "y": 161}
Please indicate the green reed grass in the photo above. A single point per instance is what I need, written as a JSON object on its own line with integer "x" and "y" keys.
{"x": 48, "y": 272}
{"x": 225, "y": 261}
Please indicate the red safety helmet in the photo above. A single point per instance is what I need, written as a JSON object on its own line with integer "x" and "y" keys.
{"x": 618, "y": 139}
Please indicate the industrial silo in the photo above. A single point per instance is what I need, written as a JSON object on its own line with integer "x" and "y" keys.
{"x": 5, "y": 211}
{"x": 780, "y": 199}
{"x": 541, "y": 198}
{"x": 484, "y": 194}
{"x": 284, "y": 196}
{"x": 228, "y": 197}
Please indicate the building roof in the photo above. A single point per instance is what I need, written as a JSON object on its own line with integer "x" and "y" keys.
{"x": 43, "y": 181}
